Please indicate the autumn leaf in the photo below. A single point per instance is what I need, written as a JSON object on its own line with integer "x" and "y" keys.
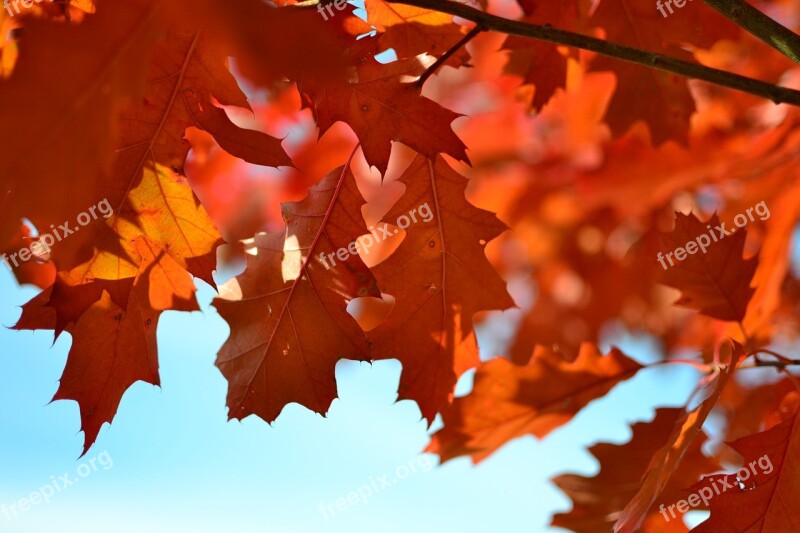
{"x": 186, "y": 76}
{"x": 411, "y": 31}
{"x": 661, "y": 99}
{"x": 113, "y": 333}
{"x": 272, "y": 45}
{"x": 509, "y": 401}
{"x": 440, "y": 278}
{"x": 597, "y": 500}
{"x": 752, "y": 409}
{"x": 762, "y": 495}
{"x": 87, "y": 91}
{"x": 288, "y": 311}
{"x": 383, "y": 104}
{"x": 539, "y": 63}
{"x": 667, "y": 459}
{"x": 714, "y": 278}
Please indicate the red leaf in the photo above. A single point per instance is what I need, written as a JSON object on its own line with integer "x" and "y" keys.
{"x": 717, "y": 282}
{"x": 666, "y": 461}
{"x": 383, "y": 104}
{"x": 767, "y": 497}
{"x": 440, "y": 278}
{"x": 597, "y": 500}
{"x": 288, "y": 311}
{"x": 509, "y": 401}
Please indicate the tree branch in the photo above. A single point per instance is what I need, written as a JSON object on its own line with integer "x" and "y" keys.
{"x": 757, "y": 23}
{"x": 779, "y": 95}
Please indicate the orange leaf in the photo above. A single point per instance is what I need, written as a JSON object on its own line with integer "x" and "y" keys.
{"x": 661, "y": 99}
{"x": 440, "y": 278}
{"x": 539, "y": 62}
{"x": 113, "y": 328}
{"x": 288, "y": 311}
{"x": 717, "y": 282}
{"x": 597, "y": 500}
{"x": 86, "y": 91}
{"x": 665, "y": 462}
{"x": 382, "y": 104}
{"x": 509, "y": 401}
{"x": 767, "y": 498}
{"x": 411, "y": 31}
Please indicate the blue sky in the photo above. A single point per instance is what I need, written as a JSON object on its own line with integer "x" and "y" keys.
{"x": 179, "y": 466}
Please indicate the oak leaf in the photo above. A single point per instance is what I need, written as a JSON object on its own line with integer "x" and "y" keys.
{"x": 411, "y": 31}
{"x": 288, "y": 311}
{"x": 766, "y": 498}
{"x": 187, "y": 76}
{"x": 715, "y": 281}
{"x": 113, "y": 342}
{"x": 661, "y": 99}
{"x": 597, "y": 500}
{"x": 665, "y": 462}
{"x": 543, "y": 64}
{"x": 86, "y": 90}
{"x": 509, "y": 401}
{"x": 383, "y": 104}
{"x": 440, "y": 278}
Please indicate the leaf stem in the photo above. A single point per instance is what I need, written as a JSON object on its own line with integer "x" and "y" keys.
{"x": 652, "y": 60}
{"x": 760, "y": 25}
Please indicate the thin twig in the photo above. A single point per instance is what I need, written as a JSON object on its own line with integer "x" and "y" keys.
{"x": 757, "y": 23}
{"x": 780, "y": 357}
{"x": 618, "y": 51}
{"x": 699, "y": 365}
{"x": 780, "y": 365}
{"x": 447, "y": 55}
